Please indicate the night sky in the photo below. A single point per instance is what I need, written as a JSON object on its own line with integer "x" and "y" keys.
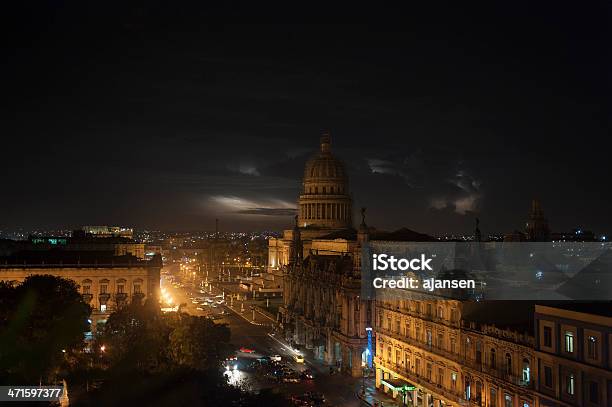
{"x": 157, "y": 116}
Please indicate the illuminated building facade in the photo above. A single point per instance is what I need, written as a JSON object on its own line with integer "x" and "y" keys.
{"x": 106, "y": 282}
{"x": 574, "y": 352}
{"x": 428, "y": 354}
{"x": 319, "y": 261}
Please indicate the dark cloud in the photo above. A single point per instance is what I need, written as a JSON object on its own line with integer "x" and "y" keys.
{"x": 166, "y": 117}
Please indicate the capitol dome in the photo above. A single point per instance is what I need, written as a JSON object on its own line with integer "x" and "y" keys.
{"x": 325, "y": 201}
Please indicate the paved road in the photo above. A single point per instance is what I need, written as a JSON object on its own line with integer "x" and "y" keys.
{"x": 339, "y": 390}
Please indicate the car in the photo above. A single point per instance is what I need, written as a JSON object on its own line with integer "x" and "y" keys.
{"x": 246, "y": 350}
{"x": 276, "y": 358}
{"x": 298, "y": 358}
{"x": 307, "y": 374}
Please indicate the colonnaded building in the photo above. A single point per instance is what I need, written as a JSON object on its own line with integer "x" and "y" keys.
{"x": 428, "y": 353}
{"x": 106, "y": 281}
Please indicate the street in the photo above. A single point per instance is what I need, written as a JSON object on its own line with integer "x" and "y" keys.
{"x": 259, "y": 335}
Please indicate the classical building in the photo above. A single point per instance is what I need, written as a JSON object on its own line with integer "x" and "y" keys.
{"x": 574, "y": 354}
{"x": 319, "y": 261}
{"x": 324, "y": 205}
{"x": 429, "y": 353}
{"x": 106, "y": 282}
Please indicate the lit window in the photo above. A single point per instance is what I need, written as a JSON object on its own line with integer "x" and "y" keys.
{"x": 508, "y": 400}
{"x": 103, "y": 307}
{"x": 569, "y": 342}
{"x": 120, "y": 289}
{"x": 86, "y": 289}
{"x": 570, "y": 384}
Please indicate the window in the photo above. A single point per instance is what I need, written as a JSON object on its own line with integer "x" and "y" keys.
{"x": 440, "y": 340}
{"x": 493, "y": 398}
{"x": 594, "y": 392}
{"x": 440, "y": 376}
{"x": 453, "y": 345}
{"x": 429, "y": 312}
{"x": 454, "y": 381}
{"x": 137, "y": 289}
{"x": 569, "y": 342}
{"x": 389, "y": 323}
{"x": 417, "y": 366}
{"x": 478, "y": 395}
{"x": 398, "y": 356}
{"x": 508, "y": 364}
{"x": 397, "y": 325}
{"x": 407, "y": 327}
{"x": 418, "y": 333}
{"x": 429, "y": 372}
{"x": 389, "y": 354}
{"x": 453, "y": 315}
{"x": 526, "y": 372}
{"x": 592, "y": 348}
{"x": 102, "y": 307}
{"x": 103, "y": 288}
{"x": 120, "y": 289}
{"x": 440, "y": 313}
{"x": 492, "y": 358}
{"x": 429, "y": 337}
{"x": 570, "y": 385}
{"x": 548, "y": 379}
{"x": 86, "y": 289}
{"x": 418, "y": 307}
{"x": 507, "y": 400}
{"x": 547, "y": 336}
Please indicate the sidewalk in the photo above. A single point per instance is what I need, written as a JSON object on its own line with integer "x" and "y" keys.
{"x": 373, "y": 396}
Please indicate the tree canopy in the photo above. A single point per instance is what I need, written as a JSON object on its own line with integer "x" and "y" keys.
{"x": 41, "y": 320}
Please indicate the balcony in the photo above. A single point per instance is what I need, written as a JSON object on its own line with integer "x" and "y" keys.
{"x": 415, "y": 378}
{"x": 422, "y": 345}
{"x": 121, "y": 298}
{"x": 104, "y": 297}
{"x": 87, "y": 297}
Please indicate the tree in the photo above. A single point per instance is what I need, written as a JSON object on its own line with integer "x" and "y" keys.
{"x": 41, "y": 320}
{"x": 136, "y": 337}
{"x": 199, "y": 343}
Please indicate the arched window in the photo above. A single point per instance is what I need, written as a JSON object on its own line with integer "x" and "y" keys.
{"x": 478, "y": 393}
{"x": 508, "y": 363}
{"x": 526, "y": 372}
